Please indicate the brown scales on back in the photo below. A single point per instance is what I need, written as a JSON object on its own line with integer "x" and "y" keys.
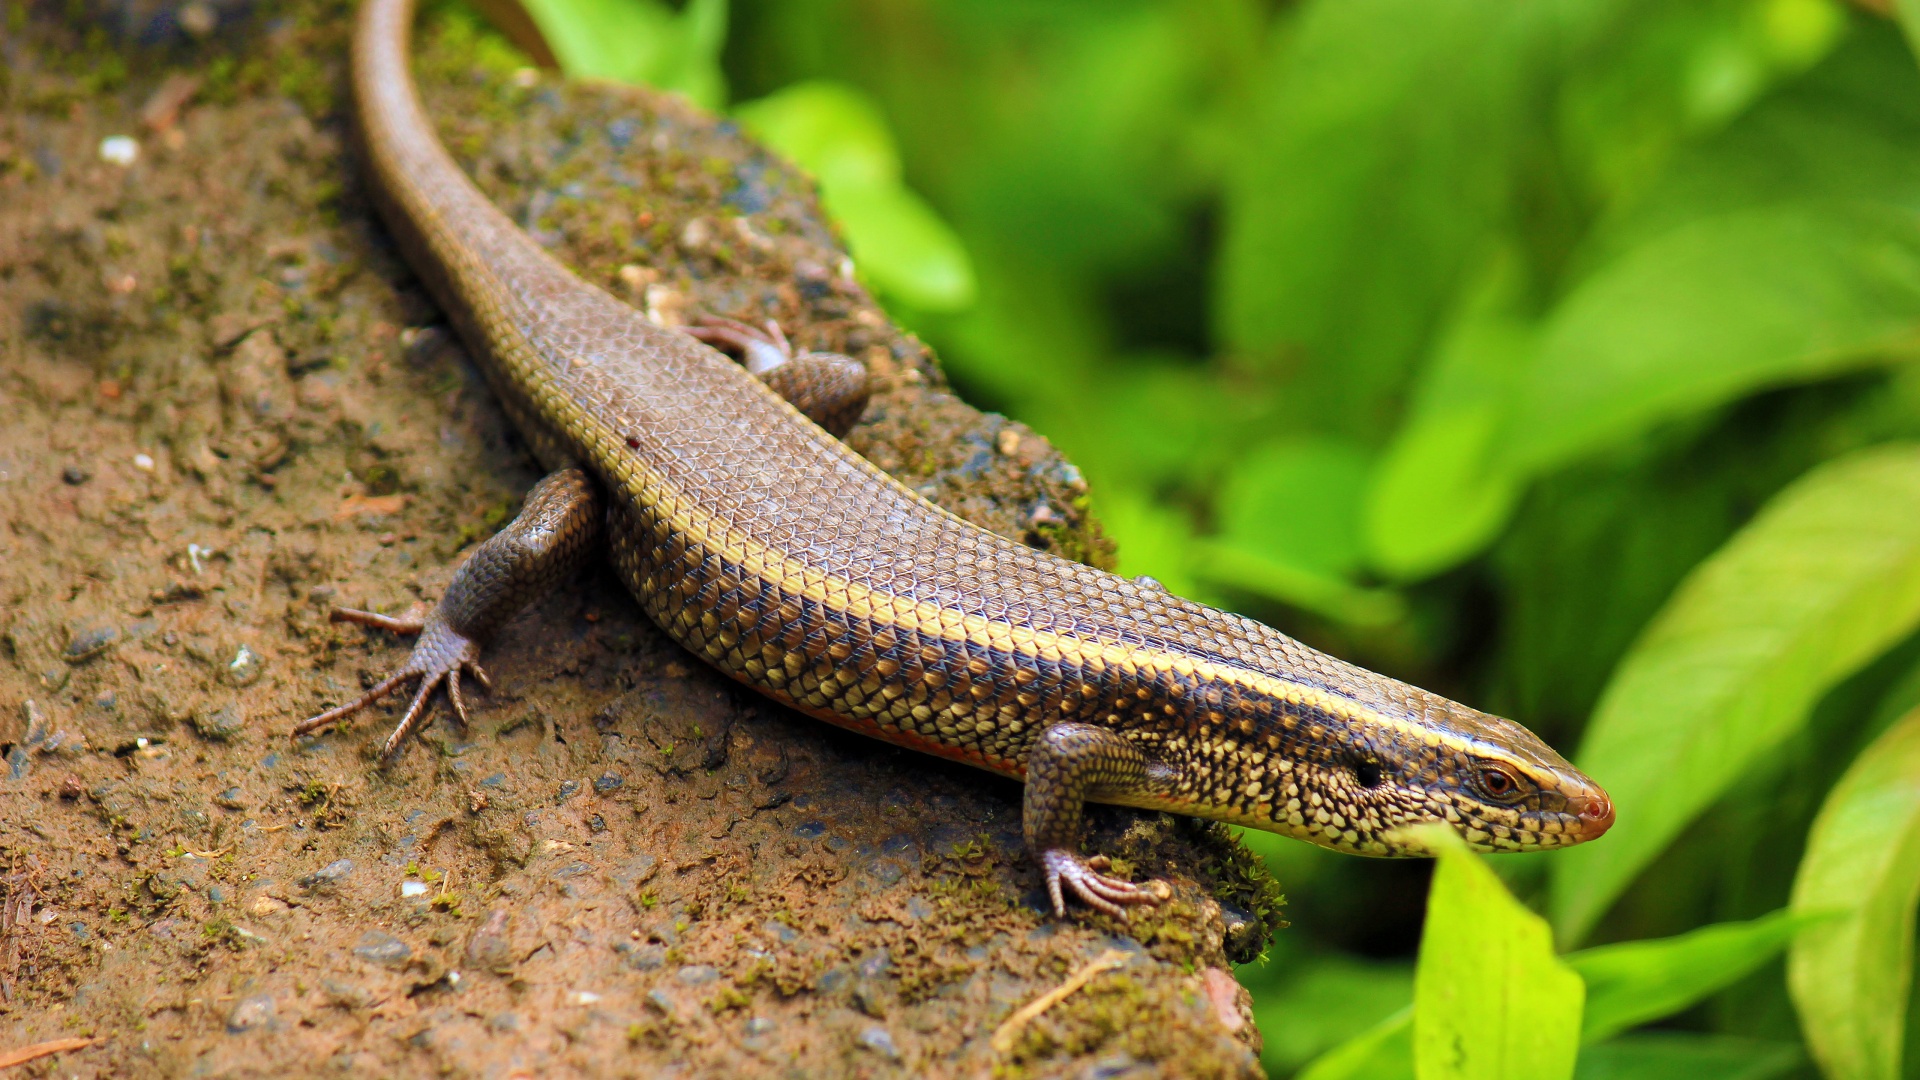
{"x": 756, "y": 539}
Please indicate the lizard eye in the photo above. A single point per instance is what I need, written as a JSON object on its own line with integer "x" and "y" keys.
{"x": 1368, "y": 773}
{"x": 1499, "y": 783}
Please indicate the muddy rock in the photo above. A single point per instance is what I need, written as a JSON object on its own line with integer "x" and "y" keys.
{"x": 226, "y": 405}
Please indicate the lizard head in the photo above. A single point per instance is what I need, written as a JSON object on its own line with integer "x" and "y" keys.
{"x": 1495, "y": 782}
{"x": 1352, "y": 770}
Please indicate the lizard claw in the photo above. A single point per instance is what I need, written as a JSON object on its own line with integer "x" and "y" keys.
{"x": 440, "y": 655}
{"x": 1095, "y": 889}
{"x": 413, "y": 622}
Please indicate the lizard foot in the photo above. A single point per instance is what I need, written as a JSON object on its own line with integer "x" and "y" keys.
{"x": 829, "y": 388}
{"x": 441, "y": 654}
{"x": 1094, "y": 888}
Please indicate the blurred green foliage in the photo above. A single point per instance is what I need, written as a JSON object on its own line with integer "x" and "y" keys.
{"x": 1557, "y": 355}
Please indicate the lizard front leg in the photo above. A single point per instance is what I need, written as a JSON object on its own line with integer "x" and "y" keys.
{"x": 1070, "y": 765}
{"x": 557, "y": 528}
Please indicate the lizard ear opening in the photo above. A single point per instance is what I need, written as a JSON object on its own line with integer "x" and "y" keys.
{"x": 1368, "y": 773}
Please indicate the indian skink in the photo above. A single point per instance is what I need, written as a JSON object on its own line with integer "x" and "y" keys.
{"x": 761, "y": 543}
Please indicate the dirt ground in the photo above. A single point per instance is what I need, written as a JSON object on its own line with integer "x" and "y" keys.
{"x": 226, "y": 406}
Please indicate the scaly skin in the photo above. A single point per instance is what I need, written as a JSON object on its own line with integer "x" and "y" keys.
{"x": 772, "y": 551}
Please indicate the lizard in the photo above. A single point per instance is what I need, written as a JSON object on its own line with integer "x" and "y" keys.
{"x": 757, "y": 540}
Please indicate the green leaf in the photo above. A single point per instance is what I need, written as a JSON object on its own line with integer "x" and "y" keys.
{"x": 1824, "y": 579}
{"x": 1833, "y": 145}
{"x": 1438, "y": 494}
{"x": 1850, "y": 977}
{"x": 1231, "y": 565}
{"x": 1158, "y": 420}
{"x": 1490, "y": 998}
{"x": 1676, "y": 1055}
{"x": 1685, "y": 68}
{"x": 1376, "y": 169}
{"x": 1908, "y": 12}
{"x": 1628, "y": 984}
{"x": 1307, "y": 1004}
{"x": 1151, "y": 539}
{"x": 1382, "y": 1052}
{"x": 1436, "y": 501}
{"x": 1297, "y": 501}
{"x": 898, "y": 242}
{"x": 1715, "y": 310}
{"x": 828, "y": 128}
{"x": 639, "y": 41}
{"x": 1634, "y": 982}
{"x": 1290, "y": 531}
{"x": 903, "y": 247}
{"x": 1843, "y": 132}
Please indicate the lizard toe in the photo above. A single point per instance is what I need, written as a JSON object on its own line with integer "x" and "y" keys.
{"x": 1098, "y": 891}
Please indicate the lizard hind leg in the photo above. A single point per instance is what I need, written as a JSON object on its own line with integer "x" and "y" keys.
{"x": 556, "y": 530}
{"x": 829, "y": 388}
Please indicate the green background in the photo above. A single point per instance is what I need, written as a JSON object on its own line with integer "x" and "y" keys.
{"x": 1555, "y": 355}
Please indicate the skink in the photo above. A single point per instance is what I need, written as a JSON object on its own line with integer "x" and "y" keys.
{"x": 761, "y": 543}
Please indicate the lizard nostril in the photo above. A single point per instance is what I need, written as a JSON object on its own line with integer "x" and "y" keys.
{"x": 1595, "y": 812}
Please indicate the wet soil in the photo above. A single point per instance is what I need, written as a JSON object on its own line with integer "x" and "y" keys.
{"x": 227, "y": 406}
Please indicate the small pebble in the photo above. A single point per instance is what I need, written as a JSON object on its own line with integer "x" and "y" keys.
{"x": 250, "y": 1013}
{"x": 346, "y": 995}
{"x": 71, "y": 788}
{"x": 1112, "y": 1066}
{"x": 245, "y": 667}
{"x": 875, "y": 965}
{"x": 489, "y": 949}
{"x": 87, "y": 644}
{"x": 880, "y": 1041}
{"x": 197, "y": 18}
{"x": 413, "y": 888}
{"x": 383, "y": 949}
{"x": 597, "y": 824}
{"x": 328, "y": 876}
{"x": 607, "y": 782}
{"x": 645, "y": 957}
{"x": 75, "y": 475}
{"x": 568, "y": 789}
{"x": 760, "y": 1025}
{"x": 121, "y": 150}
{"x": 230, "y": 799}
{"x": 143, "y": 462}
{"x": 220, "y": 724}
{"x": 697, "y": 974}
